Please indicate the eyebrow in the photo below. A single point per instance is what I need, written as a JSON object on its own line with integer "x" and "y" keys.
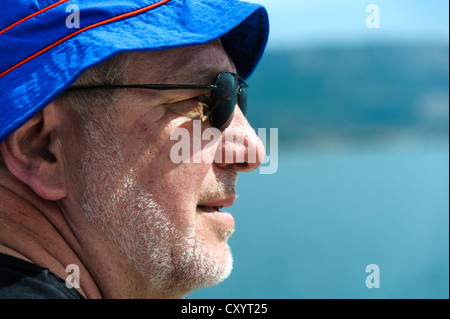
{"x": 203, "y": 77}
{"x": 205, "y": 74}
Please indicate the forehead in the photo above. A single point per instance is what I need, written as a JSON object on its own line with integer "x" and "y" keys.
{"x": 192, "y": 64}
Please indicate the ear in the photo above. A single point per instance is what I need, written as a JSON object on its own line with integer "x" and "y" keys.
{"x": 32, "y": 154}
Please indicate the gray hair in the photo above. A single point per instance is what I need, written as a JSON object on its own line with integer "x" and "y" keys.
{"x": 92, "y": 104}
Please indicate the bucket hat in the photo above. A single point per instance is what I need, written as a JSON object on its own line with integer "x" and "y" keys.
{"x": 46, "y": 45}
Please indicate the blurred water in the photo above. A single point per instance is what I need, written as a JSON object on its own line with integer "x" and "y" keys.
{"x": 310, "y": 230}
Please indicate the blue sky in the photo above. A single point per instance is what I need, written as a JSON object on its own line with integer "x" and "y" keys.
{"x": 317, "y": 22}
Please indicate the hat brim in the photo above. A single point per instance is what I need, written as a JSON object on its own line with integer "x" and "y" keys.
{"x": 57, "y": 56}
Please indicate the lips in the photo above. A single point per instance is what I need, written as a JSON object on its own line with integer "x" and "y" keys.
{"x": 215, "y": 205}
{"x": 211, "y": 212}
{"x": 208, "y": 209}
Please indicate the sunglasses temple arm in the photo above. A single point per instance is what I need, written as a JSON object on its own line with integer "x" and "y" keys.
{"x": 144, "y": 86}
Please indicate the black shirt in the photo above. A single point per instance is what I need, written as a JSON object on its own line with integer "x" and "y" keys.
{"x": 20, "y": 279}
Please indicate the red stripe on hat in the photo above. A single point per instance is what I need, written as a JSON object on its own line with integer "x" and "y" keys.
{"x": 122, "y": 16}
{"x": 33, "y": 15}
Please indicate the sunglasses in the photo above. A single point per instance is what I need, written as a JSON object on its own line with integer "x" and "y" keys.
{"x": 228, "y": 90}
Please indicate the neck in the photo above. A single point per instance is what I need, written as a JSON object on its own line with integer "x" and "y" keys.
{"x": 35, "y": 230}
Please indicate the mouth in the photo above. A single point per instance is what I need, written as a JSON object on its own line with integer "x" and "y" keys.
{"x": 215, "y": 205}
{"x": 209, "y": 209}
{"x": 212, "y": 211}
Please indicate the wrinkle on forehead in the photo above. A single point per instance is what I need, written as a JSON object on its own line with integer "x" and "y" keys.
{"x": 186, "y": 65}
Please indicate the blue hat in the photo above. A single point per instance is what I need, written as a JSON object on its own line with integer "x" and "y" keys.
{"x": 44, "y": 47}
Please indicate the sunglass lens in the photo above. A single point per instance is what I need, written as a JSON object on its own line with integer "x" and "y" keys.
{"x": 242, "y": 96}
{"x": 223, "y": 100}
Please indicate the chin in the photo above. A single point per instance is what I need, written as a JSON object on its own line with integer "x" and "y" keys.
{"x": 199, "y": 265}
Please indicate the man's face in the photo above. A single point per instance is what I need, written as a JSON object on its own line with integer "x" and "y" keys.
{"x": 163, "y": 216}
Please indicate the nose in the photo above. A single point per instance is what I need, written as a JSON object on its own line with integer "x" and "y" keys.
{"x": 240, "y": 148}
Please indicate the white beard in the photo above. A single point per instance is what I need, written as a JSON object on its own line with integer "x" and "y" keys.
{"x": 171, "y": 260}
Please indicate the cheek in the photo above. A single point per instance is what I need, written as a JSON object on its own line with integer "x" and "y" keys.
{"x": 180, "y": 188}
{"x": 176, "y": 187}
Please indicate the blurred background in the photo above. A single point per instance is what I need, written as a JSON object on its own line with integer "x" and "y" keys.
{"x": 363, "y": 155}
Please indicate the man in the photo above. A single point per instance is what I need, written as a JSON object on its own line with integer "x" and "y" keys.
{"x": 91, "y": 96}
